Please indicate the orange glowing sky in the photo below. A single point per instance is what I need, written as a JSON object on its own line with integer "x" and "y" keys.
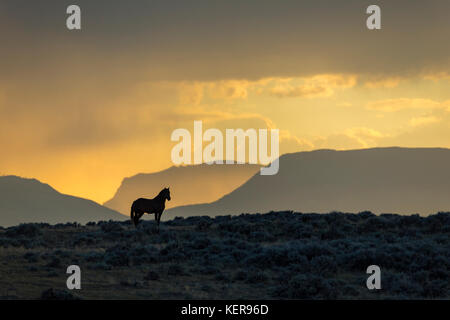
{"x": 81, "y": 110}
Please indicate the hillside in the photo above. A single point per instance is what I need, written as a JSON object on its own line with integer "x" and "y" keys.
{"x": 28, "y": 200}
{"x": 397, "y": 180}
{"x": 188, "y": 184}
{"x": 279, "y": 255}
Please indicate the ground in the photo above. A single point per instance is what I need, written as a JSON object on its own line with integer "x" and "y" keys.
{"x": 278, "y": 255}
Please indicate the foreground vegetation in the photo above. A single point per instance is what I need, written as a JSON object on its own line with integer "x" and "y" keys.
{"x": 278, "y": 255}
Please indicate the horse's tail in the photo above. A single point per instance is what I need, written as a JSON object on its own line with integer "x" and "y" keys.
{"x": 132, "y": 214}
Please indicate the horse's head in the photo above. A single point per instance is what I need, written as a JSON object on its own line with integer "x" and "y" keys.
{"x": 166, "y": 193}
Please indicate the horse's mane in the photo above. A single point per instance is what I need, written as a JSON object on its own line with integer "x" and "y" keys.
{"x": 162, "y": 192}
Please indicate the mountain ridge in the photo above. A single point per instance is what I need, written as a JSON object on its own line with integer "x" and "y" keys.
{"x": 188, "y": 184}
{"x": 27, "y": 200}
{"x": 381, "y": 180}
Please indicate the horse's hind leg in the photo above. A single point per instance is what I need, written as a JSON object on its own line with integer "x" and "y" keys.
{"x": 137, "y": 216}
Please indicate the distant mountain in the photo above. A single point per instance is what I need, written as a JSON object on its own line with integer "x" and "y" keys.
{"x": 381, "y": 180}
{"x": 28, "y": 200}
{"x": 188, "y": 184}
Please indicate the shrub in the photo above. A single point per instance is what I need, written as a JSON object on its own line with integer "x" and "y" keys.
{"x": 175, "y": 270}
{"x": 100, "y": 266}
{"x": 54, "y": 263}
{"x": 222, "y": 277}
{"x": 151, "y": 275}
{"x": 56, "y": 294}
{"x": 309, "y": 287}
{"x": 26, "y": 230}
{"x": 204, "y": 223}
{"x": 93, "y": 256}
{"x": 256, "y": 277}
{"x": 208, "y": 270}
{"x": 201, "y": 242}
{"x": 240, "y": 275}
{"x": 261, "y": 236}
{"x": 324, "y": 265}
{"x": 143, "y": 254}
{"x": 117, "y": 256}
{"x": 31, "y": 256}
{"x": 112, "y": 227}
{"x": 436, "y": 289}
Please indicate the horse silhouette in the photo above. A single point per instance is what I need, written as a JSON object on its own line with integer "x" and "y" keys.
{"x": 155, "y": 205}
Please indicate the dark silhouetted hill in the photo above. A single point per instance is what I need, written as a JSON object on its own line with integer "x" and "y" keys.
{"x": 28, "y": 200}
{"x": 393, "y": 180}
{"x": 188, "y": 184}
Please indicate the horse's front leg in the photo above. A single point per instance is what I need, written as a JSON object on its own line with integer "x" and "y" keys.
{"x": 158, "y": 218}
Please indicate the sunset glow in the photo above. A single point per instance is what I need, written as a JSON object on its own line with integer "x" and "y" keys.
{"x": 82, "y": 110}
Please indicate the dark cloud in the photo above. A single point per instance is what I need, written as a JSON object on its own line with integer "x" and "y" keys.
{"x": 209, "y": 40}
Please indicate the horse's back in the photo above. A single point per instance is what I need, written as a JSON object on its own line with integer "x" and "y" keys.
{"x": 144, "y": 204}
{"x": 140, "y": 201}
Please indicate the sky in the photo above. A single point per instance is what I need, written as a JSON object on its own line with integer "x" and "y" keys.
{"x": 80, "y": 110}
